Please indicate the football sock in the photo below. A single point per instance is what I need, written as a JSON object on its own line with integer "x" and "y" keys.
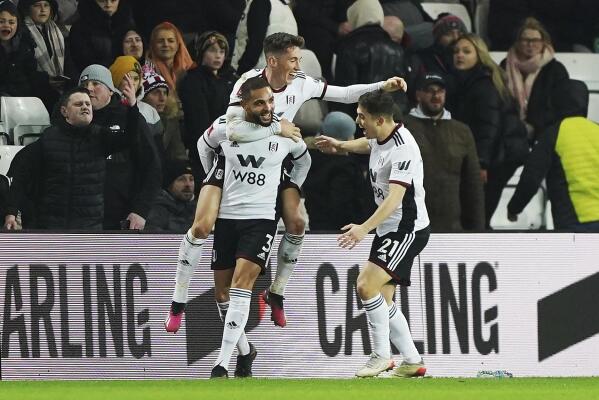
{"x": 237, "y": 317}
{"x": 190, "y": 251}
{"x": 399, "y": 333}
{"x": 378, "y": 318}
{"x": 243, "y": 346}
{"x": 287, "y": 255}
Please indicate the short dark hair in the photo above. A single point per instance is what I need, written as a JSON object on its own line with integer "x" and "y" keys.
{"x": 64, "y": 99}
{"x": 253, "y": 83}
{"x": 377, "y": 103}
{"x": 279, "y": 42}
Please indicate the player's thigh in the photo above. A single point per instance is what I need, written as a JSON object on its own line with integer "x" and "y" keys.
{"x": 291, "y": 210}
{"x": 371, "y": 280}
{"x": 388, "y": 290}
{"x": 245, "y": 274}
{"x": 209, "y": 199}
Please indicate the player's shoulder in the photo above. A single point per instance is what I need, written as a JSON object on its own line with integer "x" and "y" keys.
{"x": 250, "y": 74}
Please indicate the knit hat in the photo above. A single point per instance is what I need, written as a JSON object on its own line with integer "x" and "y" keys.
{"x": 7, "y": 5}
{"x": 174, "y": 169}
{"x": 364, "y": 12}
{"x": 446, "y": 24}
{"x": 338, "y": 125}
{"x": 99, "y": 73}
{"x": 152, "y": 81}
{"x": 122, "y": 66}
{"x": 202, "y": 42}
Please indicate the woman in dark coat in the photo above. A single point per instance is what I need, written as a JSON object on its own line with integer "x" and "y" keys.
{"x": 480, "y": 100}
{"x": 533, "y": 73}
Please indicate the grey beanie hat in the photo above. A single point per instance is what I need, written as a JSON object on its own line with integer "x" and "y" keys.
{"x": 99, "y": 73}
{"x": 338, "y": 125}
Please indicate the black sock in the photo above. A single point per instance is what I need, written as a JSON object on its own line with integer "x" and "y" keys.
{"x": 177, "y": 308}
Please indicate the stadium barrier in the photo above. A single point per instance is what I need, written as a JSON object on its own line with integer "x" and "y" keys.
{"x": 85, "y": 306}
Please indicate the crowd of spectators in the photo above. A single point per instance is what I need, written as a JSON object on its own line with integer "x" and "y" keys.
{"x": 475, "y": 121}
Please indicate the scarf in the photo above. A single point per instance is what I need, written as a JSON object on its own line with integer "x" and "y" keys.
{"x": 519, "y": 86}
{"x": 54, "y": 65}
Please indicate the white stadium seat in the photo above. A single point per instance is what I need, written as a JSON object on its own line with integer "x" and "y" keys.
{"x": 7, "y": 153}
{"x": 481, "y": 18}
{"x": 22, "y": 116}
{"x": 594, "y": 107}
{"x": 459, "y": 10}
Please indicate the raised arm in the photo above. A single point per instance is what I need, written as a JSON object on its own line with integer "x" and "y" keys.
{"x": 351, "y": 94}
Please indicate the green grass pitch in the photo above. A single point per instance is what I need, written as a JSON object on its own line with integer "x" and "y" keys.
{"x": 304, "y": 389}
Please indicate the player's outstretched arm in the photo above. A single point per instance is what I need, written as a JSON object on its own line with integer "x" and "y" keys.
{"x": 355, "y": 233}
{"x": 331, "y": 145}
{"x": 351, "y": 94}
{"x": 240, "y": 130}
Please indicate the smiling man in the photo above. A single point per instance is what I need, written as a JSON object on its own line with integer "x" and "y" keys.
{"x": 70, "y": 183}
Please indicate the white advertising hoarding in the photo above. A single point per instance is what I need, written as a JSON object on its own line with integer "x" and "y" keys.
{"x": 84, "y": 306}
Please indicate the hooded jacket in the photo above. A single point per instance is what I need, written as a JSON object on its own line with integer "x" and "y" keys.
{"x": 567, "y": 155}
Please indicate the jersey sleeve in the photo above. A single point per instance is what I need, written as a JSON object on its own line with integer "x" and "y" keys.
{"x": 314, "y": 88}
{"x": 404, "y": 162}
{"x": 301, "y": 162}
{"x": 209, "y": 142}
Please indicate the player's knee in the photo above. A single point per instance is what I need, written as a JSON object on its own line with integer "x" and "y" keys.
{"x": 295, "y": 224}
{"x": 243, "y": 281}
{"x": 221, "y": 295}
{"x": 364, "y": 290}
{"x": 200, "y": 229}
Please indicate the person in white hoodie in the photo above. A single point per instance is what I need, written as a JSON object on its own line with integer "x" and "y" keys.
{"x": 455, "y": 200}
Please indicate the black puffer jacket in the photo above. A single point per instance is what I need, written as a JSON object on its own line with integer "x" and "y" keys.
{"x": 476, "y": 102}
{"x": 170, "y": 215}
{"x": 205, "y": 97}
{"x": 18, "y": 68}
{"x": 369, "y": 55}
{"x": 133, "y": 176}
{"x": 68, "y": 165}
{"x": 96, "y": 37}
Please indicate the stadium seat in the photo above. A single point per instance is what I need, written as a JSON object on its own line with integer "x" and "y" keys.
{"x": 594, "y": 107}
{"x": 7, "y": 153}
{"x": 22, "y": 116}
{"x": 459, "y": 10}
{"x": 532, "y": 217}
{"x": 481, "y": 17}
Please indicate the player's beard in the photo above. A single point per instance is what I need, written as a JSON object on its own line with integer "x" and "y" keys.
{"x": 256, "y": 118}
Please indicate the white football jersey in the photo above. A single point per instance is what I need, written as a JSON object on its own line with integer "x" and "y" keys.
{"x": 398, "y": 160}
{"x": 253, "y": 174}
{"x": 289, "y": 98}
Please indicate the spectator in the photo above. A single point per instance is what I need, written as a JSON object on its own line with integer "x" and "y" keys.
{"x": 533, "y": 73}
{"x": 50, "y": 52}
{"x": 129, "y": 66}
{"x": 567, "y": 156}
{"x": 156, "y": 94}
{"x": 367, "y": 54}
{"x": 67, "y": 11}
{"x": 336, "y": 190}
{"x": 260, "y": 19}
{"x": 418, "y": 24}
{"x": 18, "y": 68}
{"x": 174, "y": 208}
{"x": 321, "y": 23}
{"x": 133, "y": 176}
{"x": 205, "y": 91}
{"x": 96, "y": 37}
{"x": 168, "y": 54}
{"x": 480, "y": 98}
{"x": 454, "y": 190}
{"x": 438, "y": 58}
{"x": 133, "y": 45}
{"x": 72, "y": 182}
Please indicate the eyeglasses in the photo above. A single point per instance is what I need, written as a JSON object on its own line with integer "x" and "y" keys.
{"x": 531, "y": 40}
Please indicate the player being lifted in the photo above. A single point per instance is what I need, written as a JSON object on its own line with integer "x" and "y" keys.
{"x": 246, "y": 224}
{"x": 291, "y": 88}
{"x": 402, "y": 229}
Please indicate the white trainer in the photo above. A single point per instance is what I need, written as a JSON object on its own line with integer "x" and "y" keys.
{"x": 374, "y": 366}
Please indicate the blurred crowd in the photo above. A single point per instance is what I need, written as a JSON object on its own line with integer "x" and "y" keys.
{"x": 475, "y": 121}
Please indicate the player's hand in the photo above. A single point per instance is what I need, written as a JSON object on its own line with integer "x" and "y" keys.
{"x": 129, "y": 90}
{"x": 327, "y": 144}
{"x": 344, "y": 28}
{"x": 353, "y": 236}
{"x": 512, "y": 217}
{"x": 136, "y": 221}
{"x": 289, "y": 130}
{"x": 394, "y": 84}
{"x": 10, "y": 223}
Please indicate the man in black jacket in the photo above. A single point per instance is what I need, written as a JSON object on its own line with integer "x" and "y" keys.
{"x": 133, "y": 176}
{"x": 68, "y": 165}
